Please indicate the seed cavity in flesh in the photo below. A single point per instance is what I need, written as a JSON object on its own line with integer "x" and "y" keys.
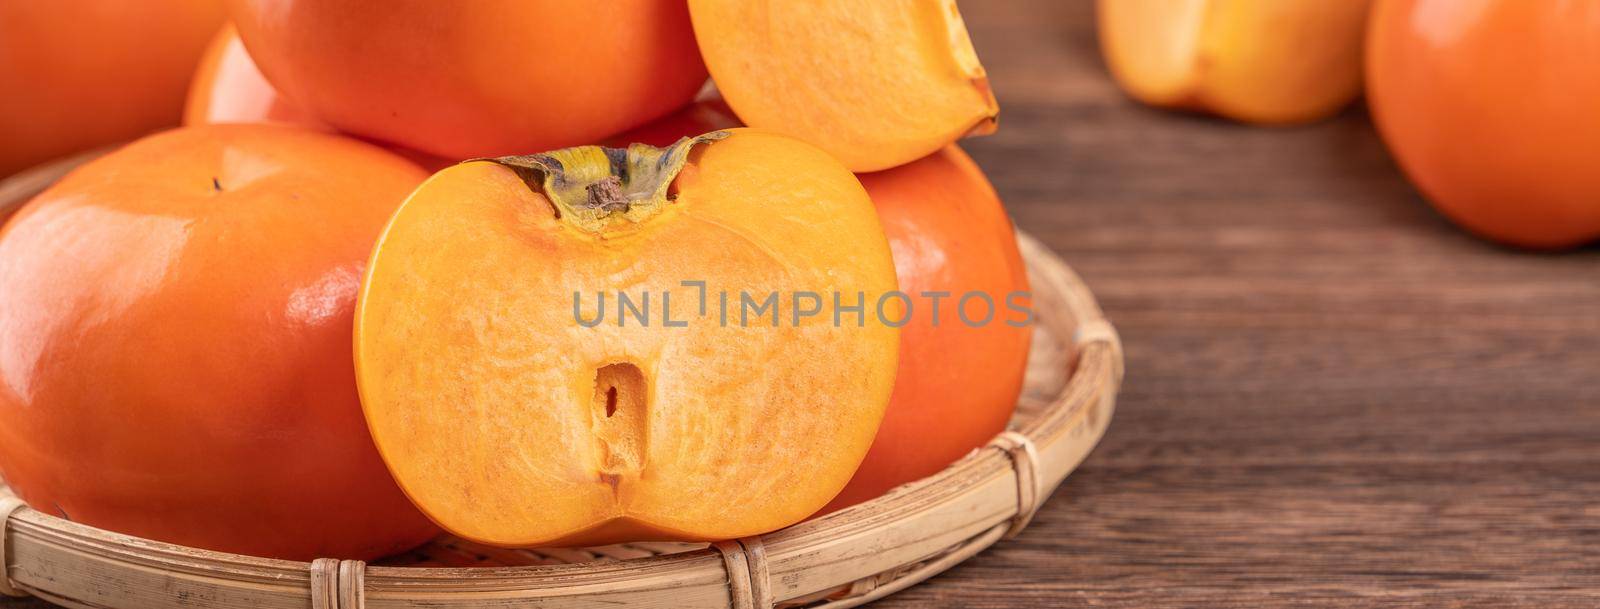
{"x": 618, "y": 419}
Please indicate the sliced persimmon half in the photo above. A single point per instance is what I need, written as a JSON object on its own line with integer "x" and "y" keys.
{"x": 517, "y": 410}
{"x": 876, "y": 84}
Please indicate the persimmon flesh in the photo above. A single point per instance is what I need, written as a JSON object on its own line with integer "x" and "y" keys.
{"x": 510, "y": 421}
{"x": 175, "y": 344}
{"x": 876, "y": 84}
{"x": 957, "y": 384}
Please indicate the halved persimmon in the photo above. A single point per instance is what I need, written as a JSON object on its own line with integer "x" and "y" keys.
{"x": 594, "y": 345}
{"x": 876, "y": 84}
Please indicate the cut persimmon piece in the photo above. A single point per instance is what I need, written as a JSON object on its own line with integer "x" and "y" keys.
{"x": 516, "y": 406}
{"x": 1153, "y": 47}
{"x": 876, "y": 84}
{"x": 1257, "y": 61}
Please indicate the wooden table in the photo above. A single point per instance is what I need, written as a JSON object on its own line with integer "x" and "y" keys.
{"x": 1334, "y": 397}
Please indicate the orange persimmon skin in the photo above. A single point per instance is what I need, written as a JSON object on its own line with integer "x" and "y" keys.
{"x": 1490, "y": 108}
{"x": 702, "y": 116}
{"x": 485, "y": 78}
{"x": 229, "y": 88}
{"x": 82, "y": 76}
{"x": 175, "y": 344}
{"x": 957, "y": 386}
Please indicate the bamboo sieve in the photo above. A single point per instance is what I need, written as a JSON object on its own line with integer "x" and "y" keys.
{"x": 845, "y": 559}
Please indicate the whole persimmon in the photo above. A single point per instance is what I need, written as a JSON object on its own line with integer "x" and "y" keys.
{"x": 1489, "y": 106}
{"x": 80, "y": 75}
{"x": 959, "y": 380}
{"x": 175, "y": 344}
{"x": 229, "y": 88}
{"x": 476, "y": 79}
{"x": 957, "y": 384}
{"x": 521, "y": 400}
{"x": 703, "y": 116}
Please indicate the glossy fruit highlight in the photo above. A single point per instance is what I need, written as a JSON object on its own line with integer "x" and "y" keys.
{"x": 175, "y": 344}
{"x": 1490, "y": 108}
{"x": 474, "y": 79}
{"x": 510, "y": 419}
{"x": 228, "y": 88}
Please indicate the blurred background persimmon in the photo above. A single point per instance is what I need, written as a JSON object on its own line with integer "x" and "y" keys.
{"x": 175, "y": 344}
{"x": 229, "y": 88}
{"x": 79, "y": 75}
{"x": 474, "y": 79}
{"x": 1492, "y": 108}
{"x": 1255, "y": 61}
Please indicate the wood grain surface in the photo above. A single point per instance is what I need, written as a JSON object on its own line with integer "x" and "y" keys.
{"x": 1333, "y": 397}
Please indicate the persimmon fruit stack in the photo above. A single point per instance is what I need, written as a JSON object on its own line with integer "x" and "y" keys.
{"x": 413, "y": 350}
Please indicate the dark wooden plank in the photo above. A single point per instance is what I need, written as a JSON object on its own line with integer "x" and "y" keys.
{"x": 1334, "y": 397}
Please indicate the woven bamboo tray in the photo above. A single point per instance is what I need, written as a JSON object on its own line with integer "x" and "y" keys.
{"x": 845, "y": 559}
